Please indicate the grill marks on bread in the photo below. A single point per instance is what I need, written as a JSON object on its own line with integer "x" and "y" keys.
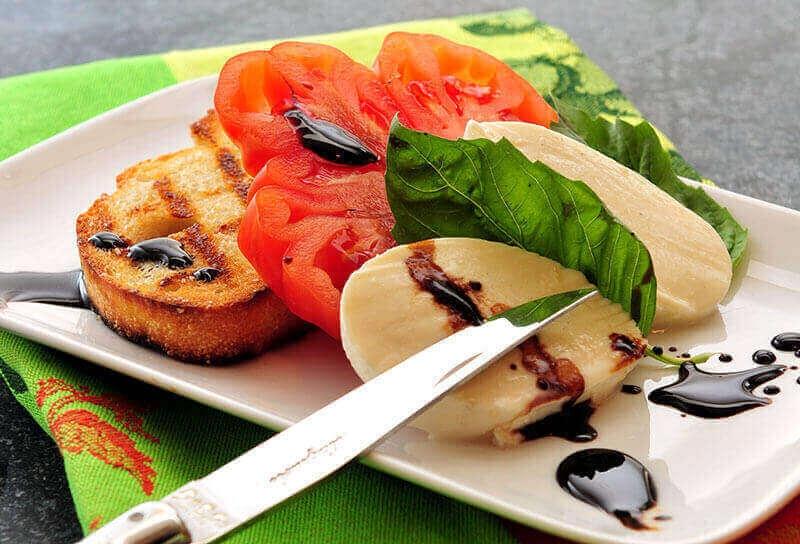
{"x": 234, "y": 173}
{"x": 177, "y": 203}
{"x": 205, "y": 131}
{"x": 196, "y": 196}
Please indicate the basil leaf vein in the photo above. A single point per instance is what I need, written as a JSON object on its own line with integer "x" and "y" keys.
{"x": 481, "y": 189}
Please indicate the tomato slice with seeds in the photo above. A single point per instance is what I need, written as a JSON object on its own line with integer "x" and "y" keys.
{"x": 317, "y": 214}
{"x": 439, "y": 85}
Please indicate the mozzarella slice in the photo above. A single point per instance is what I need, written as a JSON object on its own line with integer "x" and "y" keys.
{"x": 386, "y": 317}
{"x": 690, "y": 260}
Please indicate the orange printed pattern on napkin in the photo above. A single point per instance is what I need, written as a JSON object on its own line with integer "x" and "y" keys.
{"x": 77, "y": 428}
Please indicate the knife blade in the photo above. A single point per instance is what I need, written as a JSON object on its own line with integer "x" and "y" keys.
{"x": 305, "y": 453}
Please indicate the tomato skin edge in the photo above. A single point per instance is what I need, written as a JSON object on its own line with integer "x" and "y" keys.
{"x": 416, "y": 69}
{"x": 292, "y": 231}
{"x": 306, "y": 289}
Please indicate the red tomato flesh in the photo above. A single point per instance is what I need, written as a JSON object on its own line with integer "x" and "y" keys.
{"x": 439, "y": 85}
{"x": 310, "y": 222}
{"x": 306, "y": 235}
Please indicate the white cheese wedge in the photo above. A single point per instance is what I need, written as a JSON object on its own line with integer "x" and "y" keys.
{"x": 690, "y": 260}
{"x": 386, "y": 316}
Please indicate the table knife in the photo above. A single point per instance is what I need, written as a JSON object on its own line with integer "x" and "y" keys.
{"x": 305, "y": 453}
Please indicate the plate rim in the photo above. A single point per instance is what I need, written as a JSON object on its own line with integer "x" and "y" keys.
{"x": 778, "y": 497}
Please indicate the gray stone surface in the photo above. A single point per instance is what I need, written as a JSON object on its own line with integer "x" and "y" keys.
{"x": 35, "y": 504}
{"x": 719, "y": 77}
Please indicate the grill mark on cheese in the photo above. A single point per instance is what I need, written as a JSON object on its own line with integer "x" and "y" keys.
{"x": 178, "y": 205}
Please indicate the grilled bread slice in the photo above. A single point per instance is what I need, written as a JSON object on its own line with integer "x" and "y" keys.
{"x": 197, "y": 197}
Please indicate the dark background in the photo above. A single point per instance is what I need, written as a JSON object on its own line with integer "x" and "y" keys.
{"x": 719, "y": 77}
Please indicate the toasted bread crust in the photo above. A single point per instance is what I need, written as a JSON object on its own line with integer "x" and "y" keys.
{"x": 196, "y": 196}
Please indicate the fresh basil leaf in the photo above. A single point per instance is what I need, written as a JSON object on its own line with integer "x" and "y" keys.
{"x": 639, "y": 148}
{"x": 482, "y": 189}
{"x": 541, "y": 308}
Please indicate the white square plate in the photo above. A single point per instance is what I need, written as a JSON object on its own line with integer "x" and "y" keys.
{"x": 716, "y": 478}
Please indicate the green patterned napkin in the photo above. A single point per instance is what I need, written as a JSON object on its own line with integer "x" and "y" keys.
{"x": 124, "y": 442}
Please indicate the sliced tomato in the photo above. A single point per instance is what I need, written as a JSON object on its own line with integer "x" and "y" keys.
{"x": 332, "y": 86}
{"x": 306, "y": 235}
{"x": 311, "y": 222}
{"x": 250, "y": 98}
{"x": 439, "y": 85}
{"x": 255, "y": 89}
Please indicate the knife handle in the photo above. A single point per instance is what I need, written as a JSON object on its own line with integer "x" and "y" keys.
{"x": 146, "y": 523}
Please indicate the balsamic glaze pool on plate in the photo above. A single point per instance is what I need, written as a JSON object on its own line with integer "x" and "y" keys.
{"x": 786, "y": 341}
{"x": 715, "y": 395}
{"x": 611, "y": 481}
{"x": 570, "y": 423}
{"x": 764, "y": 357}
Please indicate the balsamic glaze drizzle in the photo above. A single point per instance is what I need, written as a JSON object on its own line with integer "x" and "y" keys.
{"x": 206, "y": 274}
{"x": 715, "y": 395}
{"x": 623, "y": 343}
{"x": 329, "y": 141}
{"x": 106, "y": 240}
{"x": 611, "y": 481}
{"x": 631, "y": 349}
{"x": 631, "y": 389}
{"x": 764, "y": 357}
{"x": 164, "y": 251}
{"x": 431, "y": 278}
